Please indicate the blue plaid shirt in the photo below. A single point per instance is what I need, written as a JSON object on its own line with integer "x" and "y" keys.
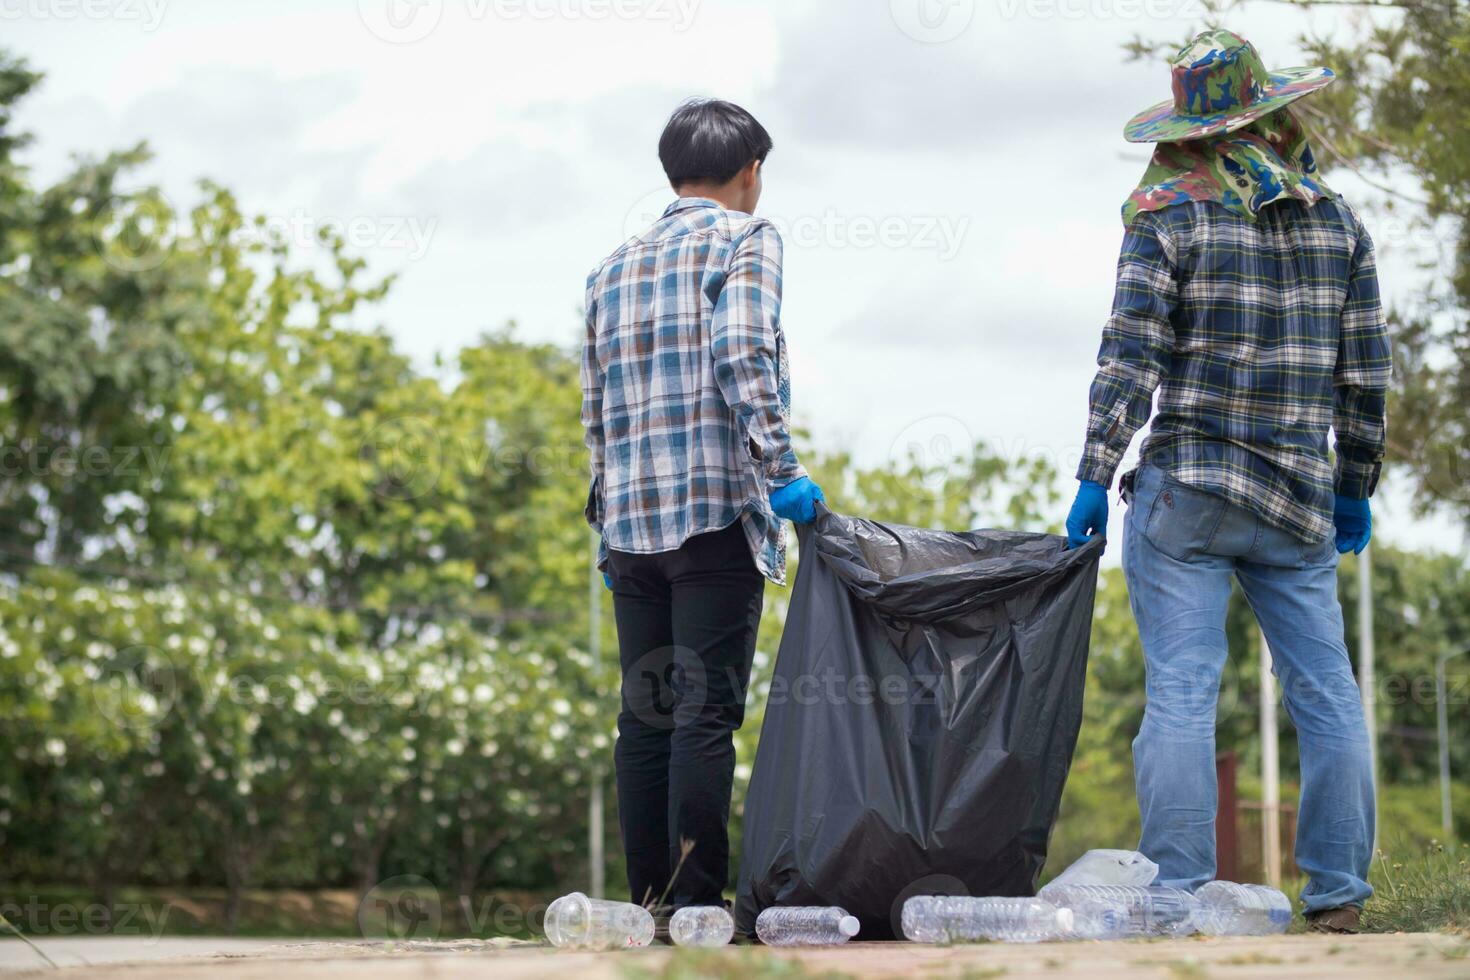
{"x": 1259, "y": 336}
{"x": 685, "y": 393}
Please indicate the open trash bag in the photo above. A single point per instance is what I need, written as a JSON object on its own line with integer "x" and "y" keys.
{"x": 921, "y": 719}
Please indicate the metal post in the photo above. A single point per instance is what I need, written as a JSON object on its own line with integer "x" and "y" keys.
{"x": 1270, "y": 773}
{"x": 1442, "y": 713}
{"x": 1367, "y": 669}
{"x": 1441, "y": 710}
{"x": 596, "y": 864}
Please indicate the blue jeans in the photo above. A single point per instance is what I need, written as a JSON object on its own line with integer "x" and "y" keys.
{"x": 1180, "y": 548}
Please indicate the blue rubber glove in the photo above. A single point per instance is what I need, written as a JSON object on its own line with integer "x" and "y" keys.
{"x": 607, "y": 581}
{"x": 797, "y": 501}
{"x": 1089, "y": 515}
{"x": 1354, "y": 522}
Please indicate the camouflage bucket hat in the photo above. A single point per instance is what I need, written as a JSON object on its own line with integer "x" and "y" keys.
{"x": 1220, "y": 85}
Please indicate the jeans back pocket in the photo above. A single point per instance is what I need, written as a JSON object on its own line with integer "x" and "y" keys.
{"x": 1181, "y": 520}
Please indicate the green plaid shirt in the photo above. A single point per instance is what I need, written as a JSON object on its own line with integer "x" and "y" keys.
{"x": 1259, "y": 337}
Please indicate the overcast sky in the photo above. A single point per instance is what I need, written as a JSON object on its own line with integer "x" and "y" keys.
{"x": 947, "y": 173}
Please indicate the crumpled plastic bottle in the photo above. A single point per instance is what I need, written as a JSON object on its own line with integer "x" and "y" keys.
{"x": 1106, "y": 867}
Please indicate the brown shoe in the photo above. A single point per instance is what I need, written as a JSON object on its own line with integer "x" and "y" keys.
{"x": 1343, "y": 921}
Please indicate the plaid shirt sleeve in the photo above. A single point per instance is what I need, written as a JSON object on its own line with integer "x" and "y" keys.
{"x": 1136, "y": 348}
{"x": 1364, "y": 363}
{"x": 592, "y": 433}
{"x": 745, "y": 342}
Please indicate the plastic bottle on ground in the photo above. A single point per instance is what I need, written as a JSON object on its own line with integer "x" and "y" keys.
{"x": 1126, "y": 911}
{"x": 1230, "y": 909}
{"x": 701, "y": 925}
{"x": 1106, "y": 867}
{"x": 577, "y": 922}
{"x": 953, "y": 919}
{"x": 805, "y": 925}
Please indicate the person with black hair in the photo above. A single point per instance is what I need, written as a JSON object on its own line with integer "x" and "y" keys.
{"x": 686, "y": 403}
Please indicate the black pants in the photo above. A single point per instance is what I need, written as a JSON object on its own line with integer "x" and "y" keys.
{"x": 687, "y": 621}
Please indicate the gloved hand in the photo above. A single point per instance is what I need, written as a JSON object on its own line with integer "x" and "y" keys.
{"x": 797, "y": 501}
{"x": 607, "y": 581}
{"x": 1089, "y": 515}
{"x": 1354, "y": 522}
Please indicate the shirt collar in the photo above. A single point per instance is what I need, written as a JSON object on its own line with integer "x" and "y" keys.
{"x": 692, "y": 204}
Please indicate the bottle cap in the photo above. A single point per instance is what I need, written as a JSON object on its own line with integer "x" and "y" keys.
{"x": 848, "y": 926}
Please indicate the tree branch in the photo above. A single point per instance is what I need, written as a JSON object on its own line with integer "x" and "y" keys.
{"x": 1343, "y": 159}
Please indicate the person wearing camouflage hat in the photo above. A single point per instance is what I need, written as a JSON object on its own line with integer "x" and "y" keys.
{"x": 1247, "y": 296}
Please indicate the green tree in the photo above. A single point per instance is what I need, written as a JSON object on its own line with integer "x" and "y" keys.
{"x": 1403, "y": 111}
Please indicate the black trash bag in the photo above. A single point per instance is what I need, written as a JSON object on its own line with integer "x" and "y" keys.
{"x": 921, "y": 719}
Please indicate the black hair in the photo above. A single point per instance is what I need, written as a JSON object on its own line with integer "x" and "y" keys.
{"x": 707, "y": 139}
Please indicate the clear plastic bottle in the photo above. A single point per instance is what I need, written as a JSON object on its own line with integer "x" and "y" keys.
{"x": 805, "y": 925}
{"x": 1126, "y": 911}
{"x": 1106, "y": 867}
{"x": 701, "y": 925}
{"x": 957, "y": 919}
{"x": 577, "y": 922}
{"x": 1229, "y": 909}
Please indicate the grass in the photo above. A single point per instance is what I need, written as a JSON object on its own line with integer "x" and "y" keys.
{"x": 1427, "y": 893}
{"x": 1430, "y": 893}
{"x": 5, "y": 923}
{"x": 728, "y": 964}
